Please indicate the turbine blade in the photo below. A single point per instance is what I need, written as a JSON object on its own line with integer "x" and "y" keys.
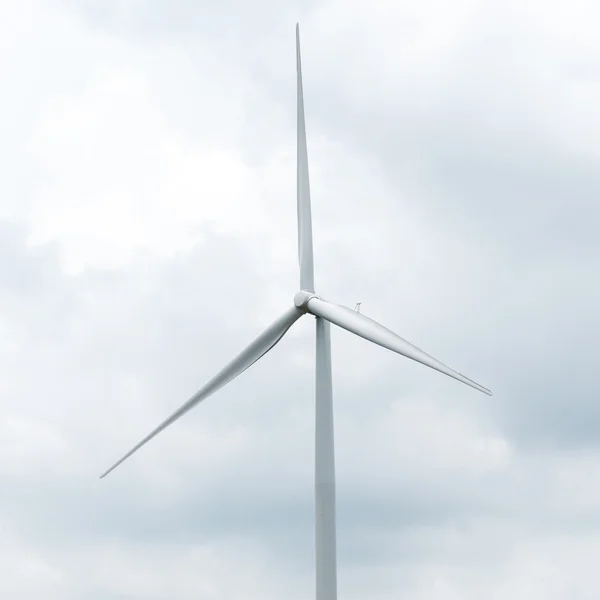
{"x": 371, "y": 330}
{"x": 305, "y": 242}
{"x": 258, "y": 348}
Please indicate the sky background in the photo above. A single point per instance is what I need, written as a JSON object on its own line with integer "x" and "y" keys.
{"x": 147, "y": 234}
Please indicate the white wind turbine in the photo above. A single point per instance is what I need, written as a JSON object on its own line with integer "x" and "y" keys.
{"x": 307, "y": 301}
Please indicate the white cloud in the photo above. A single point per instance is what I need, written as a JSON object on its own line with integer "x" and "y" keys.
{"x": 149, "y": 233}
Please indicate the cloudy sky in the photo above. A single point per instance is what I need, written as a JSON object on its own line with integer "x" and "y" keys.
{"x": 147, "y": 234}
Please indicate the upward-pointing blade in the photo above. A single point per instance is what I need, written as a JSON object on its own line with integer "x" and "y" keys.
{"x": 371, "y": 330}
{"x": 258, "y": 348}
{"x": 305, "y": 243}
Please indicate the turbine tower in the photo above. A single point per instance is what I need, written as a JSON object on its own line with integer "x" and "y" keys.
{"x": 306, "y": 301}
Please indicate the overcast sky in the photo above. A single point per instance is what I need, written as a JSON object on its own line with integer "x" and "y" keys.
{"x": 147, "y": 234}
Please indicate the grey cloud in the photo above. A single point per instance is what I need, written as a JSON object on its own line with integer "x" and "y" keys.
{"x": 484, "y": 254}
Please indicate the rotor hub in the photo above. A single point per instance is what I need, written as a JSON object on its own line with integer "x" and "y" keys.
{"x": 301, "y": 299}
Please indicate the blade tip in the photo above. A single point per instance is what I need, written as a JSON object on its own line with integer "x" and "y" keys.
{"x": 298, "y": 47}
{"x": 109, "y": 471}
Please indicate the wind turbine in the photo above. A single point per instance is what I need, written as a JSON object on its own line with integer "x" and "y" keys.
{"x": 306, "y": 301}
